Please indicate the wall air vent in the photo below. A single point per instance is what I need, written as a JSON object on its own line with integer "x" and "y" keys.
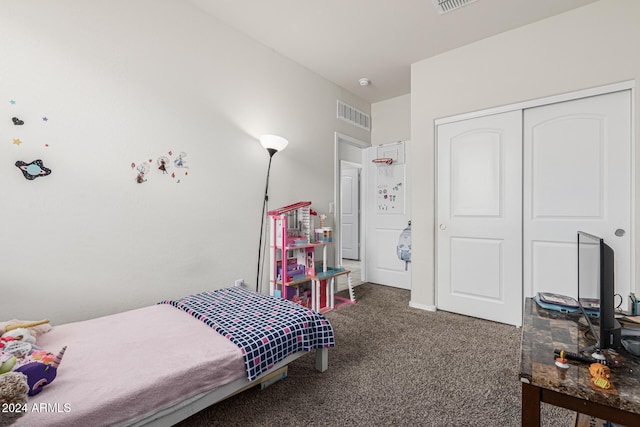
{"x": 445, "y": 6}
{"x": 353, "y": 116}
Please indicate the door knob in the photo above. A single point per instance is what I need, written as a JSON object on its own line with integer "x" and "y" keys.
{"x": 620, "y": 232}
{"x": 443, "y": 227}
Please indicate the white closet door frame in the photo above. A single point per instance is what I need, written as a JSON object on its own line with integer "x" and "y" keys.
{"x": 601, "y": 90}
{"x": 570, "y": 96}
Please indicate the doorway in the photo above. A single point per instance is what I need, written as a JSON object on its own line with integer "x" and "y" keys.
{"x": 350, "y": 215}
{"x": 350, "y": 210}
{"x": 348, "y": 161}
{"x": 386, "y": 211}
{"x": 387, "y": 214}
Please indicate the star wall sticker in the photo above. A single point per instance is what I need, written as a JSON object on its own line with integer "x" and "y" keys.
{"x": 45, "y": 119}
{"x": 16, "y": 141}
{"x": 12, "y": 102}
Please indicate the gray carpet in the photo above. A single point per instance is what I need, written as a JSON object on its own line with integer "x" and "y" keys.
{"x": 394, "y": 365}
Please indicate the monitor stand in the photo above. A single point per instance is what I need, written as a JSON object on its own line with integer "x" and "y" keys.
{"x": 594, "y": 348}
{"x": 597, "y": 354}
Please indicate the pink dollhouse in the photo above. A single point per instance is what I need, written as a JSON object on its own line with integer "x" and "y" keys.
{"x": 294, "y": 273}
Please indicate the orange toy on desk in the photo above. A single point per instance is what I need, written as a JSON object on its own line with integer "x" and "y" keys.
{"x": 600, "y": 375}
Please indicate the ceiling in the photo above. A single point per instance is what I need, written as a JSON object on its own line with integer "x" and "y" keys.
{"x": 346, "y": 40}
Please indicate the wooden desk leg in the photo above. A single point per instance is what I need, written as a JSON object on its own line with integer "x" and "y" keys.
{"x": 530, "y": 405}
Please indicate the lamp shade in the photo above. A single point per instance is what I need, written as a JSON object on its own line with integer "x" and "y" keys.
{"x": 273, "y": 142}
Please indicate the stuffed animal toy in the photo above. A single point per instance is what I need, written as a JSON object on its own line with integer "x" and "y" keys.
{"x": 19, "y": 354}
{"x": 4, "y": 341}
{"x": 20, "y": 334}
{"x": 36, "y": 328}
{"x": 13, "y": 396}
{"x": 7, "y": 362}
{"x": 40, "y": 374}
{"x": 18, "y": 342}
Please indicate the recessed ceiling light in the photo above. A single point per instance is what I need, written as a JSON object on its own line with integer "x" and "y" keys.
{"x": 364, "y": 81}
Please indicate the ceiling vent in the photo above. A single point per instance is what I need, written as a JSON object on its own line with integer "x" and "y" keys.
{"x": 354, "y": 116}
{"x": 446, "y": 6}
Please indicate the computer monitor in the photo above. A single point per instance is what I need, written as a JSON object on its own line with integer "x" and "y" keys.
{"x": 596, "y": 290}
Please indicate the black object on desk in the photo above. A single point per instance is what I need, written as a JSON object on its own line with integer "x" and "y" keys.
{"x": 580, "y": 358}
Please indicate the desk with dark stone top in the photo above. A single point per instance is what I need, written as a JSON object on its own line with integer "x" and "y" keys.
{"x": 543, "y": 331}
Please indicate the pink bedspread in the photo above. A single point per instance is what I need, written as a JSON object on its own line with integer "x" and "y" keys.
{"x": 119, "y": 368}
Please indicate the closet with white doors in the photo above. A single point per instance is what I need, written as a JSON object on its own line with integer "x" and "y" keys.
{"x": 513, "y": 189}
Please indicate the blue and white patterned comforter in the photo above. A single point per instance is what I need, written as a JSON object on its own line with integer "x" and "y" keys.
{"x": 267, "y": 329}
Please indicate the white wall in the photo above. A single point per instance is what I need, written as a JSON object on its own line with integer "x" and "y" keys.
{"x": 391, "y": 120}
{"x": 591, "y": 46}
{"x": 123, "y": 82}
{"x": 350, "y": 153}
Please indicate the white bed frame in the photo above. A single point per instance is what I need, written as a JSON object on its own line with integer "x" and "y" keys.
{"x": 191, "y": 406}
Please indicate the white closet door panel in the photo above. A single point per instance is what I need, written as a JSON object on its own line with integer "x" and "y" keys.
{"x": 475, "y": 180}
{"x": 577, "y": 176}
{"x": 488, "y": 256}
{"x": 555, "y": 264}
{"x": 560, "y": 191}
{"x": 479, "y": 217}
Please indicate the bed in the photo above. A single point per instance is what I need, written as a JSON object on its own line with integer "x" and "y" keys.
{"x": 157, "y": 365}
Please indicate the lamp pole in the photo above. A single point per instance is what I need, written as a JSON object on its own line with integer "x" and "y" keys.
{"x": 265, "y": 202}
{"x": 273, "y": 144}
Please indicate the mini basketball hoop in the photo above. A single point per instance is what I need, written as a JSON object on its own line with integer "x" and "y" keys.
{"x": 382, "y": 163}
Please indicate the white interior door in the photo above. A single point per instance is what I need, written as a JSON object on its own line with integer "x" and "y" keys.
{"x": 387, "y": 214}
{"x": 479, "y": 217}
{"x": 577, "y": 176}
{"x": 350, "y": 212}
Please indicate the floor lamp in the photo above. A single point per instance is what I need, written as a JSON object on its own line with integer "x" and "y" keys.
{"x": 273, "y": 144}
